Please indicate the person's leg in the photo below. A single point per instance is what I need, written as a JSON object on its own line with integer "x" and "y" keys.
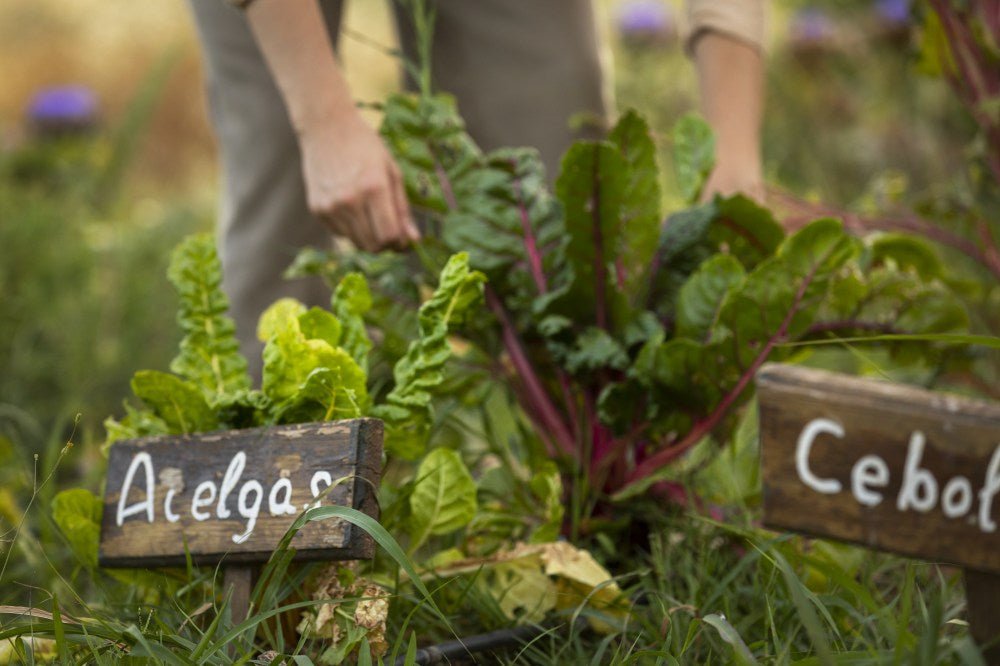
{"x": 520, "y": 69}
{"x": 264, "y": 219}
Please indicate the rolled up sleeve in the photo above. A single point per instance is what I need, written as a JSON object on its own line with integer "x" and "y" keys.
{"x": 741, "y": 19}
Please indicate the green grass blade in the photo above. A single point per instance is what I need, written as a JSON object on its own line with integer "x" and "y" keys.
{"x": 411, "y": 650}
{"x": 731, "y": 636}
{"x": 60, "y": 634}
{"x": 948, "y": 338}
{"x": 807, "y": 614}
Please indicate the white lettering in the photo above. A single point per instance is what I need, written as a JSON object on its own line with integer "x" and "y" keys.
{"x": 813, "y": 429}
{"x": 323, "y": 476}
{"x": 124, "y": 512}
{"x": 229, "y": 481}
{"x": 197, "y": 502}
{"x": 955, "y": 507}
{"x": 919, "y": 488}
{"x": 167, "y": 511}
{"x": 991, "y": 486}
{"x": 284, "y": 507}
{"x": 249, "y": 512}
{"x": 869, "y": 471}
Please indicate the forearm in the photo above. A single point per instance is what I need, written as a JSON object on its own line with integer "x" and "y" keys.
{"x": 352, "y": 183}
{"x": 730, "y": 76}
{"x": 293, "y": 38}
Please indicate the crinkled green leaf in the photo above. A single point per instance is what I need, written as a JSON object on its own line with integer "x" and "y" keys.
{"x": 673, "y": 363}
{"x": 701, "y": 297}
{"x": 682, "y": 248}
{"x": 427, "y": 137}
{"x": 676, "y": 373}
{"x": 209, "y": 352}
{"x": 319, "y": 324}
{"x": 908, "y": 253}
{"x": 243, "y": 409}
{"x": 595, "y": 350}
{"x": 694, "y": 155}
{"x": 331, "y": 392}
{"x": 407, "y": 410}
{"x": 179, "y": 403}
{"x": 746, "y": 229}
{"x": 494, "y": 206}
{"x": 77, "y": 512}
{"x": 818, "y": 249}
{"x": 782, "y": 295}
{"x": 299, "y": 345}
{"x": 443, "y": 498}
{"x": 136, "y": 423}
{"x": 277, "y": 317}
{"x": 351, "y": 302}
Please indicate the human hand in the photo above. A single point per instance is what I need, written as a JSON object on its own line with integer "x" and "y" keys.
{"x": 353, "y": 185}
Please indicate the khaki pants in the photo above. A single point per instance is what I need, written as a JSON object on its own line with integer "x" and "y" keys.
{"x": 519, "y": 69}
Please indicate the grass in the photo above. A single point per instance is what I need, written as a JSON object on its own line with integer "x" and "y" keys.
{"x": 700, "y": 592}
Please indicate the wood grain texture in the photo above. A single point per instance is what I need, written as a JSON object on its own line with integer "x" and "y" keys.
{"x": 982, "y": 591}
{"x": 350, "y": 452}
{"x": 961, "y": 436}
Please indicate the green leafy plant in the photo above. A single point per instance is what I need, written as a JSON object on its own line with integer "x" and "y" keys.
{"x": 627, "y": 340}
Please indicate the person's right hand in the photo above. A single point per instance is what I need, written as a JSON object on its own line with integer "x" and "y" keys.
{"x": 353, "y": 185}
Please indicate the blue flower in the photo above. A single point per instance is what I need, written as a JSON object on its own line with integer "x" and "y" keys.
{"x": 644, "y": 19}
{"x": 893, "y": 11}
{"x": 72, "y": 105}
{"x": 811, "y": 26}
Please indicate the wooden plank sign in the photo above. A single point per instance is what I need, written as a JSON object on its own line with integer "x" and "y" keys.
{"x": 887, "y": 466}
{"x": 234, "y": 494}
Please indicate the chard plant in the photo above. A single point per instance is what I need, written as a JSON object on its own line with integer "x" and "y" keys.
{"x": 627, "y": 339}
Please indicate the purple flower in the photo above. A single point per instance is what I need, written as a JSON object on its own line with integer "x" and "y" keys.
{"x": 645, "y": 18}
{"x": 895, "y": 12}
{"x": 811, "y": 26}
{"x": 63, "y": 105}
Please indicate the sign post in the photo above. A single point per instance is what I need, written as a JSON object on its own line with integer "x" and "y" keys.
{"x": 231, "y": 496}
{"x": 889, "y": 467}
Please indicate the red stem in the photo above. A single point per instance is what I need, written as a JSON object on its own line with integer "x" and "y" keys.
{"x": 531, "y": 247}
{"x": 979, "y": 79}
{"x": 538, "y": 273}
{"x": 536, "y": 398}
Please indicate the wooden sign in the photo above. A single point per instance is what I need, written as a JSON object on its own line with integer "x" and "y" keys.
{"x": 887, "y": 466}
{"x": 233, "y": 495}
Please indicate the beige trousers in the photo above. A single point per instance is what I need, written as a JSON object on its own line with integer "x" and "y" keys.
{"x": 519, "y": 69}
